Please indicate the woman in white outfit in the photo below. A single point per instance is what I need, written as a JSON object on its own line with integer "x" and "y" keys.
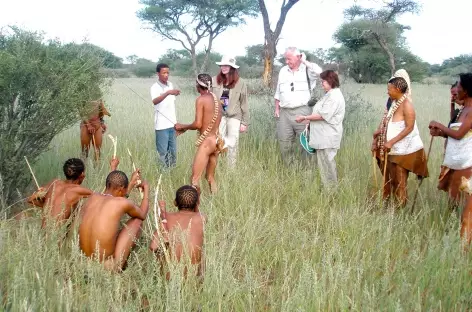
{"x": 232, "y": 91}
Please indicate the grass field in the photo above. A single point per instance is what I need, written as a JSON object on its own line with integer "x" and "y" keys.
{"x": 274, "y": 240}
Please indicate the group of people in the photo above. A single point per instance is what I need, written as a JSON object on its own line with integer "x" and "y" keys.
{"x": 102, "y": 237}
{"x": 221, "y": 113}
{"x": 230, "y": 91}
{"x": 321, "y": 121}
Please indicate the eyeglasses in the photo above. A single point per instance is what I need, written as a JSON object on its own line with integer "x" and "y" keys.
{"x": 293, "y": 88}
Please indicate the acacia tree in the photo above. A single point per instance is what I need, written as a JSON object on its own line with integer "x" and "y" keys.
{"x": 381, "y": 22}
{"x": 271, "y": 37}
{"x": 190, "y": 21}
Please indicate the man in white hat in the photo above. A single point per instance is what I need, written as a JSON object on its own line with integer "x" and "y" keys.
{"x": 232, "y": 92}
{"x": 296, "y": 80}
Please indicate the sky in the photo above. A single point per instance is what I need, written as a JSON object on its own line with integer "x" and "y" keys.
{"x": 439, "y": 32}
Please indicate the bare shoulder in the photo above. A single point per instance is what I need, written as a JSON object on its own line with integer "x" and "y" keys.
{"x": 199, "y": 218}
{"x": 408, "y": 106}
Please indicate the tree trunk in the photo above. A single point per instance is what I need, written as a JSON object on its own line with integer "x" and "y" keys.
{"x": 271, "y": 37}
{"x": 391, "y": 57}
{"x": 269, "y": 56}
{"x": 194, "y": 60}
{"x": 204, "y": 66}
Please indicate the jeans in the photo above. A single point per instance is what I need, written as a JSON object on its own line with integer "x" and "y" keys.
{"x": 166, "y": 144}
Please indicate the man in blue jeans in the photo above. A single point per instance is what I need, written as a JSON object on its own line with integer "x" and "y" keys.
{"x": 163, "y": 97}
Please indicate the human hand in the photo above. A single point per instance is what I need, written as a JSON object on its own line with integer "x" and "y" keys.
{"x": 277, "y": 113}
{"x": 91, "y": 129}
{"x": 303, "y": 57}
{"x": 300, "y": 119}
{"x": 388, "y": 146}
{"x": 376, "y": 134}
{"x": 135, "y": 178}
{"x": 435, "y": 132}
{"x": 179, "y": 127}
{"x": 242, "y": 128}
{"x": 434, "y": 124}
{"x": 144, "y": 186}
{"x": 173, "y": 92}
{"x": 114, "y": 162}
{"x": 40, "y": 193}
{"x": 373, "y": 147}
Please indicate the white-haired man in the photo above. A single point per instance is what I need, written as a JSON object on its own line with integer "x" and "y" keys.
{"x": 291, "y": 97}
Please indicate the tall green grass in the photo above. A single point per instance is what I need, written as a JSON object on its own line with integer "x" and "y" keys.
{"x": 275, "y": 240}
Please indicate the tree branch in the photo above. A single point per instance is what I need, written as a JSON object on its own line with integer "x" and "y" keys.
{"x": 283, "y": 14}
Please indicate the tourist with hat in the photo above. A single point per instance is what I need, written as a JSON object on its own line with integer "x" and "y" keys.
{"x": 232, "y": 92}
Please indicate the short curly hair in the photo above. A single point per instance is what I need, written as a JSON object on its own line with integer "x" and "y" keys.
{"x": 186, "y": 198}
{"x": 73, "y": 168}
{"x": 399, "y": 83}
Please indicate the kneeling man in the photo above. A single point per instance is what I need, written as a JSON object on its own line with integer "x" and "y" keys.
{"x": 99, "y": 233}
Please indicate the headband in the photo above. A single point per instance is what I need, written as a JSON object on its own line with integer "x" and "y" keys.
{"x": 202, "y": 84}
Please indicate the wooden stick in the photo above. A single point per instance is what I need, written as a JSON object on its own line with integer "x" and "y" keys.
{"x": 134, "y": 169}
{"x": 374, "y": 167}
{"x": 157, "y": 213}
{"x": 157, "y": 209}
{"x": 384, "y": 179}
{"x": 32, "y": 173}
{"x": 385, "y": 171}
{"x": 94, "y": 146}
{"x": 115, "y": 141}
{"x": 421, "y": 181}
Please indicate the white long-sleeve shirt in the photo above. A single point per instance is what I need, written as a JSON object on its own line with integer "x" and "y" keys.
{"x": 292, "y": 86}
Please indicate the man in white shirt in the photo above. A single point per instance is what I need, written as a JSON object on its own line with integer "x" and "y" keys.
{"x": 163, "y": 97}
{"x": 291, "y": 97}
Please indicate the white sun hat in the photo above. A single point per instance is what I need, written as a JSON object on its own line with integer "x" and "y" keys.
{"x": 228, "y": 60}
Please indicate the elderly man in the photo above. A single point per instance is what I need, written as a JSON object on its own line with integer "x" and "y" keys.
{"x": 296, "y": 80}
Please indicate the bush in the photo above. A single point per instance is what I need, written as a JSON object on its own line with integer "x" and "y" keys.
{"x": 144, "y": 70}
{"x": 43, "y": 90}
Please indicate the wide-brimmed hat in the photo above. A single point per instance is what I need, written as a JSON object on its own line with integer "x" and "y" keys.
{"x": 228, "y": 60}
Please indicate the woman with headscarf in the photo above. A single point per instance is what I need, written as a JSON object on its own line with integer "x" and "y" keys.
{"x": 397, "y": 143}
{"x": 232, "y": 92}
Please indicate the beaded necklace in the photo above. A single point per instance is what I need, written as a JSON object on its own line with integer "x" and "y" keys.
{"x": 383, "y": 126}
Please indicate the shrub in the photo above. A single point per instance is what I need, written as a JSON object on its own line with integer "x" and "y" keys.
{"x": 43, "y": 90}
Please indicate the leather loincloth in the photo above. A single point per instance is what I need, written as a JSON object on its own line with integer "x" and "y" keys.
{"x": 415, "y": 162}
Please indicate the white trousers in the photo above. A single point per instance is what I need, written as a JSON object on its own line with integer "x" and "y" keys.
{"x": 229, "y": 130}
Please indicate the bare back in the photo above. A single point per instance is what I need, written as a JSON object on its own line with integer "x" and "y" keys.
{"x": 61, "y": 199}
{"x": 206, "y": 106}
{"x": 185, "y": 235}
{"x": 100, "y": 223}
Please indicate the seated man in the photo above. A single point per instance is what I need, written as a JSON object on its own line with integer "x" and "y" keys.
{"x": 183, "y": 230}
{"x": 59, "y": 198}
{"x": 207, "y": 122}
{"x": 99, "y": 233}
